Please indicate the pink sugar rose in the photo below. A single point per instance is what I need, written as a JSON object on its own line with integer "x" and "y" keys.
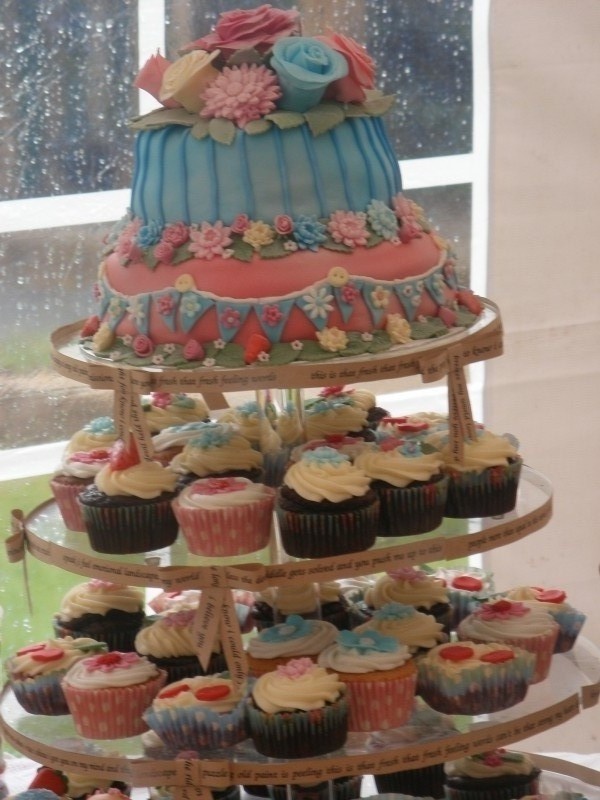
{"x": 296, "y": 668}
{"x": 240, "y": 223}
{"x": 176, "y": 234}
{"x": 407, "y": 574}
{"x": 283, "y": 224}
{"x": 255, "y": 28}
{"x": 142, "y": 345}
{"x": 164, "y": 252}
{"x": 361, "y": 69}
{"x": 161, "y": 399}
{"x": 193, "y": 350}
{"x": 149, "y": 78}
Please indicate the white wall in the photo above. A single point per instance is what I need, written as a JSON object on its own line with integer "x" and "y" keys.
{"x": 545, "y": 276}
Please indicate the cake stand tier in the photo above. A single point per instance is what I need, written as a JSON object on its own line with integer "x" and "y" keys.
{"x": 428, "y": 738}
{"x": 432, "y": 358}
{"x": 45, "y": 536}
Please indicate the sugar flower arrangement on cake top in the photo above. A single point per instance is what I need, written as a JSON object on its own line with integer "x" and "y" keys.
{"x": 263, "y": 182}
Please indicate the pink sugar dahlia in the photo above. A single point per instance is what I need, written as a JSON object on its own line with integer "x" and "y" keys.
{"x": 209, "y": 240}
{"x": 241, "y": 94}
{"x": 349, "y": 228}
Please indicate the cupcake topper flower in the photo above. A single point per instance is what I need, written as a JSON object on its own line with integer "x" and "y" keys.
{"x": 296, "y": 668}
{"x": 98, "y": 585}
{"x": 107, "y": 662}
{"x": 213, "y": 486}
{"x": 294, "y": 627}
{"x": 367, "y": 642}
{"x": 100, "y": 425}
{"x": 502, "y": 609}
{"x": 394, "y": 611}
{"x": 305, "y": 68}
{"x": 324, "y": 455}
{"x": 333, "y": 391}
{"x": 179, "y": 619}
{"x": 213, "y": 434}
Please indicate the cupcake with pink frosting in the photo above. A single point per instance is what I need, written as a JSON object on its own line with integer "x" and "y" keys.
{"x": 512, "y": 622}
{"x": 108, "y": 693}
{"x": 225, "y": 516}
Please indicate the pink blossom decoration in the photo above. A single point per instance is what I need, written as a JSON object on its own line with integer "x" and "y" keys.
{"x": 164, "y": 252}
{"x": 107, "y": 662}
{"x": 349, "y": 293}
{"x": 209, "y": 241}
{"x": 230, "y": 318}
{"x": 283, "y": 224}
{"x": 271, "y": 315}
{"x": 212, "y": 486}
{"x": 176, "y": 234}
{"x": 161, "y": 399}
{"x": 183, "y": 618}
{"x": 257, "y": 28}
{"x": 241, "y": 94}
{"x": 502, "y": 609}
{"x": 193, "y": 350}
{"x": 296, "y": 668}
{"x": 142, "y": 345}
{"x": 410, "y": 228}
{"x": 240, "y": 223}
{"x": 97, "y": 584}
{"x": 165, "y": 304}
{"x": 349, "y": 228}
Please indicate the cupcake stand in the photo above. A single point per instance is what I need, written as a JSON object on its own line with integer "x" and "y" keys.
{"x": 429, "y": 738}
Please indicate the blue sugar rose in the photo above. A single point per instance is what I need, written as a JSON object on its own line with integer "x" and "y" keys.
{"x": 305, "y": 68}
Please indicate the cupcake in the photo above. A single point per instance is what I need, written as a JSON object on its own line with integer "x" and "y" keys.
{"x": 346, "y": 788}
{"x": 324, "y": 601}
{"x": 108, "y": 693}
{"x": 350, "y": 446}
{"x": 419, "y": 782}
{"x": 248, "y": 418}
{"x": 102, "y": 610}
{"x": 189, "y": 599}
{"x": 554, "y": 601}
{"x": 485, "y": 482}
{"x": 169, "y": 442}
{"x": 169, "y": 643}
{"x": 35, "y": 672}
{"x": 128, "y": 507}
{"x": 512, "y": 622}
{"x": 76, "y": 472}
{"x": 163, "y": 410}
{"x": 225, "y": 516}
{"x": 412, "y": 587}
{"x": 470, "y": 678}
{"x": 218, "y": 450}
{"x": 380, "y": 677}
{"x": 99, "y": 433}
{"x": 410, "y": 484}
{"x": 418, "y": 631}
{"x": 335, "y": 412}
{"x": 200, "y": 713}
{"x": 326, "y": 507}
{"x": 497, "y": 775}
{"x": 467, "y": 588}
{"x": 367, "y": 400}
{"x": 296, "y": 637}
{"x": 297, "y": 711}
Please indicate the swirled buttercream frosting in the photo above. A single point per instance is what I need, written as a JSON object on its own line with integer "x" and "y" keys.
{"x": 364, "y": 651}
{"x": 490, "y": 765}
{"x": 163, "y": 409}
{"x": 506, "y": 618}
{"x": 299, "y": 685}
{"x": 168, "y": 637}
{"x": 111, "y": 670}
{"x": 214, "y": 493}
{"x": 338, "y": 415}
{"x": 53, "y": 655}
{"x": 410, "y": 627}
{"x": 218, "y": 448}
{"x": 326, "y": 474}
{"x": 98, "y": 432}
{"x": 407, "y": 586}
{"x": 211, "y": 692}
{"x": 294, "y": 637}
{"x": 400, "y": 465}
{"x": 98, "y": 597}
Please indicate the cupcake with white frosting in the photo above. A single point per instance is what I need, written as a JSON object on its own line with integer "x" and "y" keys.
{"x": 380, "y": 677}
{"x": 554, "y": 601}
{"x": 295, "y": 638}
{"x": 108, "y": 693}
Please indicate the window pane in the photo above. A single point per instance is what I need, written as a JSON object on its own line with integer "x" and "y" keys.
{"x": 67, "y": 77}
{"x": 422, "y": 50}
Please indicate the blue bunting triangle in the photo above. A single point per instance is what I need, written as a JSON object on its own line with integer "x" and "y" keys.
{"x": 231, "y": 315}
{"x": 409, "y": 293}
{"x": 273, "y": 316}
{"x": 450, "y": 273}
{"x": 371, "y": 294}
{"x": 167, "y": 304}
{"x": 115, "y": 310}
{"x": 139, "y": 310}
{"x": 341, "y": 294}
{"x": 191, "y": 307}
{"x": 435, "y": 285}
{"x": 104, "y": 298}
{"x": 317, "y": 304}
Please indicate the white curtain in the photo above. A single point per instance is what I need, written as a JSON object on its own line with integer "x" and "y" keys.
{"x": 545, "y": 276}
